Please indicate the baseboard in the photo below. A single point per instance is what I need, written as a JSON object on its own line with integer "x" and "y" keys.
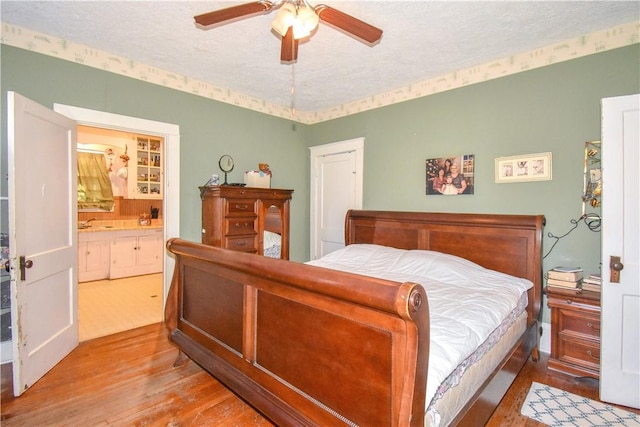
{"x": 545, "y": 339}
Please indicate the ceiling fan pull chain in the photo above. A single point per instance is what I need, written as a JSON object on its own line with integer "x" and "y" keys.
{"x": 293, "y": 90}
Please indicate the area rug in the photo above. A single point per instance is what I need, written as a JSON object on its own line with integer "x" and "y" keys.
{"x": 555, "y": 407}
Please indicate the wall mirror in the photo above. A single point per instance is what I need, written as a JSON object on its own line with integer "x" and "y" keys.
{"x": 592, "y": 190}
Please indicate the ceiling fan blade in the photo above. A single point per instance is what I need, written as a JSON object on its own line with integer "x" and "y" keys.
{"x": 233, "y": 12}
{"x": 348, "y": 23}
{"x": 289, "y": 47}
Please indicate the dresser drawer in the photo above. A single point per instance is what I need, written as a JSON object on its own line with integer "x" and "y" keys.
{"x": 579, "y": 322}
{"x": 579, "y": 352}
{"x": 240, "y": 226}
{"x": 241, "y": 206}
{"x": 242, "y": 244}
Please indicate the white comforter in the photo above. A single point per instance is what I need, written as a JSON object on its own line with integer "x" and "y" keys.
{"x": 466, "y": 301}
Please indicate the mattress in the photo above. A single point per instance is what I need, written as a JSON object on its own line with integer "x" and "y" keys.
{"x": 468, "y": 306}
{"x": 443, "y": 409}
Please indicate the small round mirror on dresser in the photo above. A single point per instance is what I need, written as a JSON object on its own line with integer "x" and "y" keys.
{"x": 226, "y": 166}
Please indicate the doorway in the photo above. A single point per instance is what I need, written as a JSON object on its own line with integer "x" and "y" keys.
{"x": 112, "y": 296}
{"x": 170, "y": 202}
{"x": 336, "y": 186}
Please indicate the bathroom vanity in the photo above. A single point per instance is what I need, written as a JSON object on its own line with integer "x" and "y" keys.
{"x": 116, "y": 249}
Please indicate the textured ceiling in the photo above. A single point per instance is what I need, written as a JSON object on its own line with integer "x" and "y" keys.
{"x": 422, "y": 40}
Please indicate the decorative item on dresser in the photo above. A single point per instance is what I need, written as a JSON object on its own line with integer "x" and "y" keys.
{"x": 246, "y": 219}
{"x": 575, "y": 331}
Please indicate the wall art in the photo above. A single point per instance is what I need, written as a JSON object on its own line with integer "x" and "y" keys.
{"x": 525, "y": 167}
{"x": 451, "y": 175}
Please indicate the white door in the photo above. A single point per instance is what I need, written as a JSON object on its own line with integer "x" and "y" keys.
{"x": 620, "y": 328}
{"x": 336, "y": 187}
{"x": 43, "y": 238}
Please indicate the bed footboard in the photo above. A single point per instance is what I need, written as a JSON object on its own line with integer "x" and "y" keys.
{"x": 302, "y": 344}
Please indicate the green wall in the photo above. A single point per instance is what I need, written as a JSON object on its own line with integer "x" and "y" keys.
{"x": 551, "y": 109}
{"x": 554, "y": 108}
{"x": 208, "y": 129}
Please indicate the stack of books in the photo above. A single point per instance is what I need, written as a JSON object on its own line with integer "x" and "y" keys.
{"x": 592, "y": 283}
{"x": 565, "y": 277}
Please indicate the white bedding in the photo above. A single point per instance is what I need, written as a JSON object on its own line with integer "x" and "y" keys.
{"x": 272, "y": 244}
{"x": 466, "y": 301}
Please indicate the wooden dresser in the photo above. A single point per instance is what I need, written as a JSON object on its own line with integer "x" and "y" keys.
{"x": 236, "y": 217}
{"x": 575, "y": 332}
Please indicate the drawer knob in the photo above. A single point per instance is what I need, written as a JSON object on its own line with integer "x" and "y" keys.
{"x": 593, "y": 327}
{"x": 590, "y": 354}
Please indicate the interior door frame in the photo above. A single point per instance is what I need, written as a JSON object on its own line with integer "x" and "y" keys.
{"x": 171, "y": 134}
{"x": 317, "y": 152}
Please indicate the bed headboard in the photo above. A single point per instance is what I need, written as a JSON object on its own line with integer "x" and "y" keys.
{"x": 511, "y": 244}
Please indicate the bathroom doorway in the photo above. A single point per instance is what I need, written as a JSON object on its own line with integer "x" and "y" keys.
{"x": 169, "y": 204}
{"x": 118, "y": 246}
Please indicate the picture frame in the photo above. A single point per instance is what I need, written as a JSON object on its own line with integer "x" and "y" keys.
{"x": 451, "y": 175}
{"x": 523, "y": 168}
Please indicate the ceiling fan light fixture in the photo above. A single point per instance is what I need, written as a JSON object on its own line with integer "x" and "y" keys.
{"x": 295, "y": 20}
{"x": 284, "y": 19}
{"x": 308, "y": 17}
{"x": 303, "y": 19}
{"x": 300, "y": 30}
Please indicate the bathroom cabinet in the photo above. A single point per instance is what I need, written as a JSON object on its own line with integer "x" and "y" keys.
{"x": 136, "y": 252}
{"x": 93, "y": 257}
{"x": 113, "y": 254}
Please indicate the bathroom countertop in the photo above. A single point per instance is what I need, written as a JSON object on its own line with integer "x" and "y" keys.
{"x": 119, "y": 224}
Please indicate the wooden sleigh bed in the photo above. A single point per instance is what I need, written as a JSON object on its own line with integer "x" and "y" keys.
{"x": 306, "y": 345}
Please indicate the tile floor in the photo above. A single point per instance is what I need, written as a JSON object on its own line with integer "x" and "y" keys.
{"x": 106, "y": 307}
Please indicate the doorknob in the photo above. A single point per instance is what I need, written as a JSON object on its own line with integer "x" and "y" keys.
{"x": 24, "y": 264}
{"x": 615, "y": 266}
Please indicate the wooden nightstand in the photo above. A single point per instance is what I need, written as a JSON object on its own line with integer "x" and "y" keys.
{"x": 575, "y": 332}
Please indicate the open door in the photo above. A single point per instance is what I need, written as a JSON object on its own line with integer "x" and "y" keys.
{"x": 43, "y": 238}
{"x": 620, "y": 331}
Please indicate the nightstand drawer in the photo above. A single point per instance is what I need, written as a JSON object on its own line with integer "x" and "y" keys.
{"x": 579, "y": 322}
{"x": 579, "y": 352}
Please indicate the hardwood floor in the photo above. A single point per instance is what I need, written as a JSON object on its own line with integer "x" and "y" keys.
{"x": 129, "y": 379}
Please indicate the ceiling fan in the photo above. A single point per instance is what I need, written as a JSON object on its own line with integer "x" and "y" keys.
{"x": 295, "y": 20}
